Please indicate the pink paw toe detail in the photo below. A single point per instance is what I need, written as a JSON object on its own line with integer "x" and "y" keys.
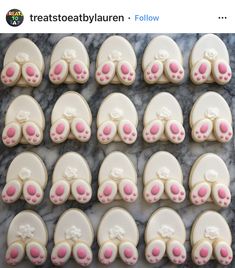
{"x": 126, "y": 73}
{"x": 176, "y": 252}
{"x": 223, "y": 130}
{"x": 175, "y": 191}
{"x": 12, "y": 191}
{"x": 31, "y": 74}
{"x": 33, "y": 193}
{"x": 202, "y": 252}
{"x": 174, "y": 71}
{"x": 106, "y": 132}
{"x": 200, "y": 193}
{"x": 153, "y": 131}
{"x": 155, "y": 251}
{"x": 82, "y": 254}
{"x": 105, "y": 73}
{"x": 59, "y": 192}
{"x": 32, "y": 133}
{"x": 59, "y": 131}
{"x": 10, "y": 74}
{"x": 153, "y": 191}
{"x": 58, "y": 72}
{"x": 79, "y": 71}
{"x": 221, "y": 72}
{"x": 127, "y": 131}
{"x": 81, "y": 191}
{"x": 61, "y": 254}
{"x": 128, "y": 190}
{"x": 202, "y": 130}
{"x": 175, "y": 131}
{"x": 15, "y": 253}
{"x": 221, "y": 195}
{"x": 201, "y": 71}
{"x": 11, "y": 134}
{"x": 107, "y": 253}
{"x": 107, "y": 191}
{"x": 36, "y": 253}
{"x": 81, "y": 130}
{"x": 223, "y": 253}
{"x": 153, "y": 72}
{"x": 128, "y": 253}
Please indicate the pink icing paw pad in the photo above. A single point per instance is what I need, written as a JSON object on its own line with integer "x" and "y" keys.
{"x": 128, "y": 253}
{"x": 221, "y": 195}
{"x": 128, "y": 190}
{"x": 60, "y": 130}
{"x": 11, "y": 74}
{"x": 202, "y": 252}
{"x": 221, "y": 72}
{"x": 202, "y": 130}
{"x": 82, "y": 254}
{"x": 31, "y": 74}
{"x": 58, "y": 72}
{"x": 11, "y": 134}
{"x": 126, "y": 73}
{"x": 36, "y": 253}
{"x": 200, "y": 193}
{"x": 81, "y": 191}
{"x": 79, "y": 71}
{"x": 174, "y": 71}
{"x": 59, "y": 192}
{"x": 105, "y": 73}
{"x": 153, "y": 131}
{"x": 201, "y": 71}
{"x": 107, "y": 253}
{"x": 223, "y": 130}
{"x": 176, "y": 252}
{"x": 32, "y": 133}
{"x": 80, "y": 129}
{"x": 153, "y": 191}
{"x": 175, "y": 191}
{"x": 153, "y": 72}
{"x": 155, "y": 251}
{"x": 15, "y": 253}
{"x": 127, "y": 131}
{"x": 107, "y": 191}
{"x": 33, "y": 193}
{"x": 106, "y": 132}
{"x": 12, "y": 191}
{"x": 223, "y": 253}
{"x": 175, "y": 131}
{"x": 61, "y": 254}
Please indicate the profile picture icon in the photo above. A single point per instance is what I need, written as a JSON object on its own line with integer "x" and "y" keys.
{"x": 14, "y": 17}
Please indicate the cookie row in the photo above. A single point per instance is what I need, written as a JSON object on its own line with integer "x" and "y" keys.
{"x": 117, "y": 120}
{"x": 118, "y": 235}
{"x": 163, "y": 179}
{"x": 116, "y": 62}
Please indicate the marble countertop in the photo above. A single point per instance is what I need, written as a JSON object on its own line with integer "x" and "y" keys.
{"x": 140, "y": 93}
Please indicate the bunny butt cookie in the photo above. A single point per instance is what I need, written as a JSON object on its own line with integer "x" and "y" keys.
{"x": 209, "y": 181}
{"x": 69, "y": 62}
{"x": 211, "y": 119}
{"x": 211, "y": 239}
{"x": 27, "y": 178}
{"x": 118, "y": 235}
{"x": 27, "y": 234}
{"x": 162, "y": 61}
{"x": 116, "y": 62}
{"x": 163, "y": 179}
{"x": 71, "y": 118}
{"x": 163, "y": 120}
{"x": 209, "y": 61}
{"x": 165, "y": 235}
{"x": 73, "y": 237}
{"x": 24, "y": 122}
{"x": 117, "y": 120}
{"x": 71, "y": 179}
{"x": 117, "y": 179}
{"x": 23, "y": 64}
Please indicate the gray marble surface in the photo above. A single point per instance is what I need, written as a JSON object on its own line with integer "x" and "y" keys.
{"x": 140, "y": 93}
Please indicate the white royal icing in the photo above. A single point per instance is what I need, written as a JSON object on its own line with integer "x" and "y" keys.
{"x": 163, "y": 173}
{"x": 69, "y": 55}
{"x": 116, "y": 233}
{"x": 25, "y": 173}
{"x": 164, "y": 114}
{"x": 69, "y": 112}
{"x": 22, "y": 57}
{"x": 212, "y": 113}
{"x": 73, "y": 233}
{"x": 115, "y": 55}
{"x": 210, "y": 54}
{"x": 116, "y": 114}
{"x": 162, "y": 55}
{"x": 26, "y": 232}
{"x": 70, "y": 173}
{"x": 211, "y": 232}
{"x": 116, "y": 173}
{"x": 211, "y": 175}
{"x": 22, "y": 116}
{"x": 166, "y": 231}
